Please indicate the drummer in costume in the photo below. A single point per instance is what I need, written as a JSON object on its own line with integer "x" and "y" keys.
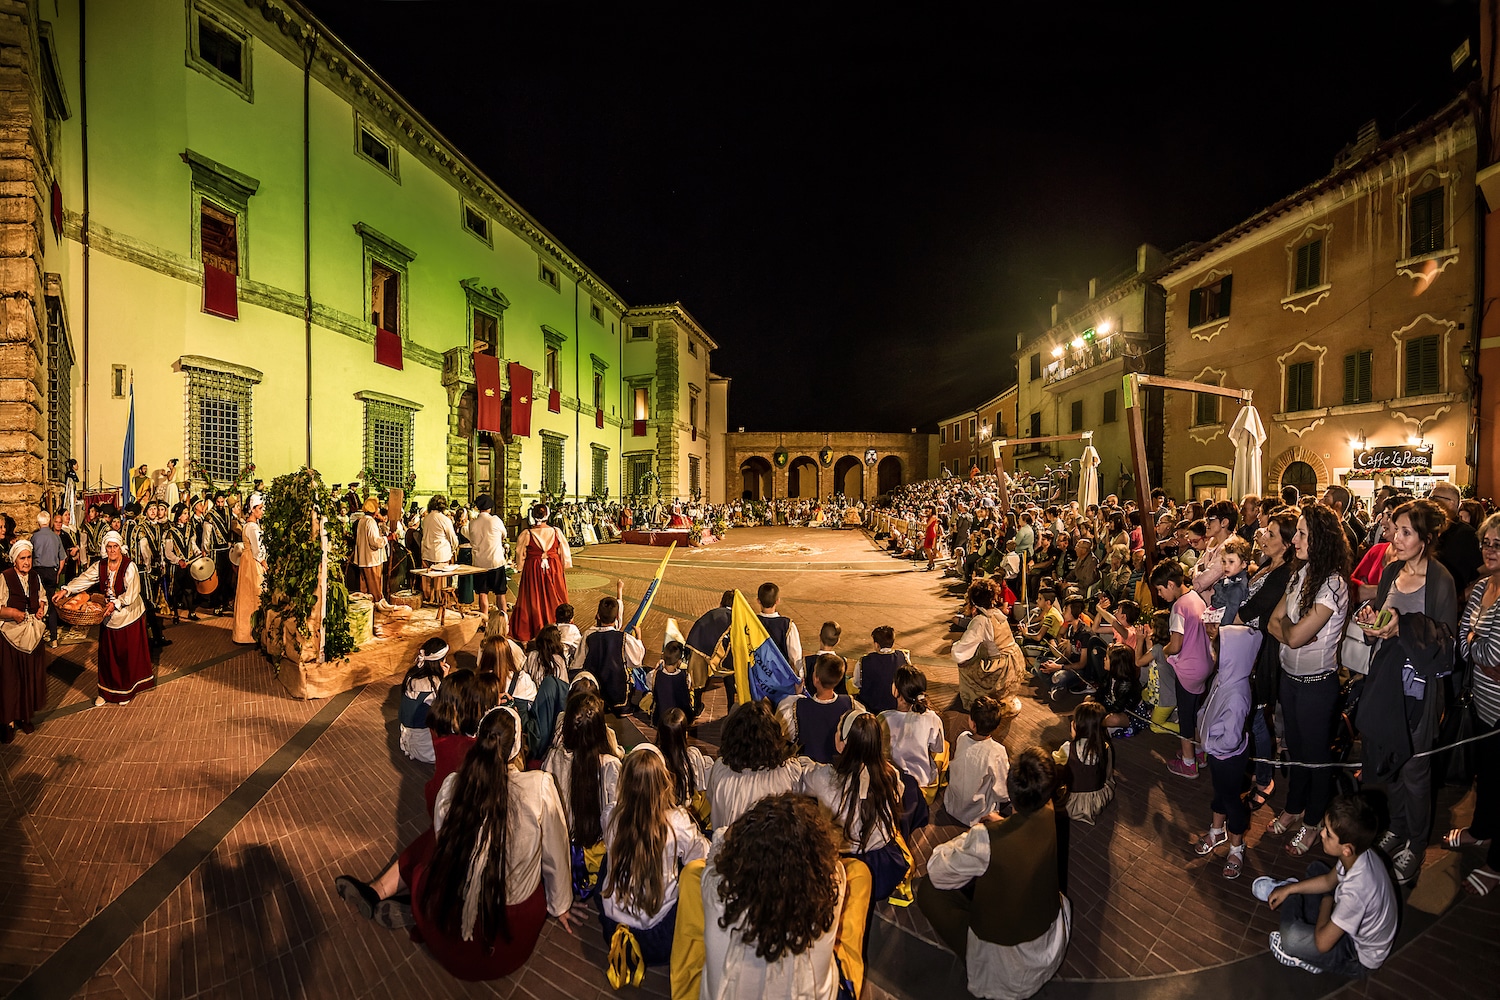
{"x": 216, "y": 541}
{"x": 252, "y": 574}
{"x": 23, "y": 672}
{"x": 180, "y": 547}
{"x": 124, "y": 652}
{"x": 91, "y": 531}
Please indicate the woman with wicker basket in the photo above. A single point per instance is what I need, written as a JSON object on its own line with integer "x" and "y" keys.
{"x": 124, "y": 653}
{"x": 23, "y": 674}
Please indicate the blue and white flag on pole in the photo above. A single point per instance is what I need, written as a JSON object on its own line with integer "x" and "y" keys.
{"x": 127, "y": 455}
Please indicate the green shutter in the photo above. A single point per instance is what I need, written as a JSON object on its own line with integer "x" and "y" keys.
{"x": 1362, "y": 387}
{"x": 1195, "y": 306}
{"x": 1224, "y": 286}
{"x": 1422, "y": 376}
{"x": 1350, "y": 377}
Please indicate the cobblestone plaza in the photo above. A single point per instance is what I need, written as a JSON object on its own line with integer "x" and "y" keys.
{"x": 185, "y": 845}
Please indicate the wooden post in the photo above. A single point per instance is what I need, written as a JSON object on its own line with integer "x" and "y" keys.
{"x": 1136, "y": 420}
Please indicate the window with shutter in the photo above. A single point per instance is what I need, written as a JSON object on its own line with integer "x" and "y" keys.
{"x": 1299, "y": 386}
{"x": 1425, "y": 220}
{"x": 1422, "y": 376}
{"x": 1205, "y": 409}
{"x": 1036, "y": 425}
{"x": 1036, "y": 367}
{"x": 1309, "y": 266}
{"x": 1357, "y": 377}
{"x": 1076, "y": 415}
{"x": 1210, "y": 302}
{"x": 1111, "y": 401}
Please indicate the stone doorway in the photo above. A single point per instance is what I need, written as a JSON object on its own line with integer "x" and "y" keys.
{"x": 755, "y": 474}
{"x": 849, "y": 478}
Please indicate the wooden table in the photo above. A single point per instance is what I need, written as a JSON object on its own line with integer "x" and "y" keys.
{"x": 447, "y": 594}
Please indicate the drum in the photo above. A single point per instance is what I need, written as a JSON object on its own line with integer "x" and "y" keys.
{"x": 208, "y": 586}
{"x": 234, "y": 553}
{"x": 201, "y": 569}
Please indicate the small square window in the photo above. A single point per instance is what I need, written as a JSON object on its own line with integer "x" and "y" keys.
{"x": 476, "y": 222}
{"x": 372, "y": 145}
{"x": 692, "y": 347}
{"x": 1210, "y": 302}
{"x": 221, "y": 50}
{"x": 640, "y": 333}
{"x": 375, "y": 148}
{"x": 595, "y": 313}
{"x": 548, "y": 276}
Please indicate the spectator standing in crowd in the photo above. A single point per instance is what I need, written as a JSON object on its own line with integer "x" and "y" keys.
{"x": 1479, "y": 641}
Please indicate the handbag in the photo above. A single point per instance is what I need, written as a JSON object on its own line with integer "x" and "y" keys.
{"x": 1354, "y": 652}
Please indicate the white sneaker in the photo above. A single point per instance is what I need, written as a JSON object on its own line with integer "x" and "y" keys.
{"x": 1262, "y": 887}
{"x": 1288, "y": 959}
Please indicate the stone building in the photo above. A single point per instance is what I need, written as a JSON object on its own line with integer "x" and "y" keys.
{"x": 287, "y": 265}
{"x": 1347, "y": 307}
{"x": 1070, "y": 376}
{"x": 965, "y": 439}
{"x": 770, "y": 465}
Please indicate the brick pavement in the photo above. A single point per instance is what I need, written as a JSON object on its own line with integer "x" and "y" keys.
{"x": 97, "y": 797}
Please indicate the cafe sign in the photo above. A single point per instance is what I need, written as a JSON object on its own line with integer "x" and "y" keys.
{"x": 1409, "y": 458}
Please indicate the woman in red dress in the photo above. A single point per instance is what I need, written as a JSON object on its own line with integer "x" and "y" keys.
{"x": 124, "y": 654}
{"x": 542, "y": 559}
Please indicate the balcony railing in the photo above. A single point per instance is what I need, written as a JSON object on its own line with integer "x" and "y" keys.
{"x": 1091, "y": 355}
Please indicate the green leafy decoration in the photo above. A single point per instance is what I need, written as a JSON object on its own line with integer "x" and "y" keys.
{"x": 294, "y": 555}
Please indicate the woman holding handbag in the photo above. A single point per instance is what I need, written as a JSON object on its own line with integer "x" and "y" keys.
{"x": 1402, "y": 704}
{"x": 1479, "y": 641}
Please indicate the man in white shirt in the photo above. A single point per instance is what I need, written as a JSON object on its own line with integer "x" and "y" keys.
{"x": 369, "y": 549}
{"x": 487, "y": 537}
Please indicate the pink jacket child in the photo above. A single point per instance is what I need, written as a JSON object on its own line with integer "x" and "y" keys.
{"x": 1194, "y": 664}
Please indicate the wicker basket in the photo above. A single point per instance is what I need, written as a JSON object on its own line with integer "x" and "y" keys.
{"x": 90, "y": 614}
{"x": 410, "y": 600}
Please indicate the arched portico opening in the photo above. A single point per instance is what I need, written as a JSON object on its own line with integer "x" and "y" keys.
{"x": 887, "y": 475}
{"x": 802, "y": 478}
{"x": 755, "y": 475}
{"x": 849, "y": 478}
{"x": 1302, "y": 476}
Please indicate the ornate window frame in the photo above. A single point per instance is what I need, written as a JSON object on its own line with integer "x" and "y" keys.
{"x": 1303, "y": 300}
{"x": 200, "y": 10}
{"x": 380, "y": 248}
{"x": 229, "y": 191}
{"x": 364, "y": 124}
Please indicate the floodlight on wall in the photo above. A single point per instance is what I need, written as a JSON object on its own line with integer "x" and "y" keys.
{"x": 1057, "y": 351}
{"x": 1077, "y": 343}
{"x": 1104, "y": 329}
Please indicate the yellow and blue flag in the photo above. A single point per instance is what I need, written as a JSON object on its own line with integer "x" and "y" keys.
{"x": 760, "y": 669}
{"x": 645, "y": 605}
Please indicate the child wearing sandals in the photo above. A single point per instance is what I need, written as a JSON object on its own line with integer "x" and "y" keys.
{"x": 1088, "y": 764}
{"x": 916, "y": 730}
{"x": 1221, "y": 721}
{"x": 651, "y": 837}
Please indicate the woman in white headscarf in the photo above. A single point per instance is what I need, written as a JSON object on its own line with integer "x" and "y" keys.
{"x": 252, "y": 572}
{"x": 124, "y": 650}
{"x": 23, "y": 674}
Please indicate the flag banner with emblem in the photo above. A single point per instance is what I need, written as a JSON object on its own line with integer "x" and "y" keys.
{"x": 759, "y": 667}
{"x": 487, "y": 385}
{"x": 520, "y": 399}
{"x": 127, "y": 455}
{"x": 645, "y": 604}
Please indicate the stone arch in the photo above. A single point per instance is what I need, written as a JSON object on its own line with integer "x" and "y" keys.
{"x": 887, "y": 475}
{"x": 755, "y": 478}
{"x": 849, "y": 478}
{"x": 804, "y": 478}
{"x": 1296, "y": 453}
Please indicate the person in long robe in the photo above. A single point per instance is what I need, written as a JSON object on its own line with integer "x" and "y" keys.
{"x": 543, "y": 559}
{"x": 23, "y": 672}
{"x": 252, "y": 574}
{"x": 124, "y": 650}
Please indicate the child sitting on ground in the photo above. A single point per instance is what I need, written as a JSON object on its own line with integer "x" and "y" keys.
{"x": 976, "y": 779}
{"x": 828, "y": 640}
{"x": 571, "y": 637}
{"x": 1088, "y": 764}
{"x": 1341, "y": 921}
{"x": 418, "y": 688}
{"x": 812, "y": 720}
{"x": 1120, "y": 694}
{"x": 916, "y": 730}
{"x": 1222, "y": 725}
{"x": 876, "y": 672}
{"x": 1234, "y": 586}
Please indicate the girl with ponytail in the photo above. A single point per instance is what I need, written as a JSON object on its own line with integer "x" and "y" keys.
{"x": 917, "y": 744}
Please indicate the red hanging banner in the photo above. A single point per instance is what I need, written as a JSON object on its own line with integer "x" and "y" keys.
{"x": 639, "y": 429}
{"x": 554, "y": 401}
{"x": 219, "y": 292}
{"x": 487, "y": 383}
{"x": 388, "y": 349}
{"x": 599, "y": 418}
{"x": 520, "y": 399}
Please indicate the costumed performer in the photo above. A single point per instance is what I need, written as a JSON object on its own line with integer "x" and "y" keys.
{"x": 252, "y": 573}
{"x": 124, "y": 651}
{"x": 543, "y": 559}
{"x": 23, "y": 674}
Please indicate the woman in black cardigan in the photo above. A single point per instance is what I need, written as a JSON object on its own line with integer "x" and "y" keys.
{"x": 1266, "y": 589}
{"x": 1402, "y": 704}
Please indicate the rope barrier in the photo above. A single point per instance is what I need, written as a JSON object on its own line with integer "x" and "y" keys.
{"x": 1352, "y": 765}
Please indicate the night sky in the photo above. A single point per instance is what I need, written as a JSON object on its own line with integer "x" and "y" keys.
{"x": 863, "y": 210}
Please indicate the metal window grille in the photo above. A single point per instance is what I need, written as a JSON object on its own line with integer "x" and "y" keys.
{"x": 599, "y": 485}
{"x": 552, "y": 465}
{"x": 640, "y": 467}
{"x": 219, "y": 422}
{"x": 59, "y": 393}
{"x": 388, "y": 442}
